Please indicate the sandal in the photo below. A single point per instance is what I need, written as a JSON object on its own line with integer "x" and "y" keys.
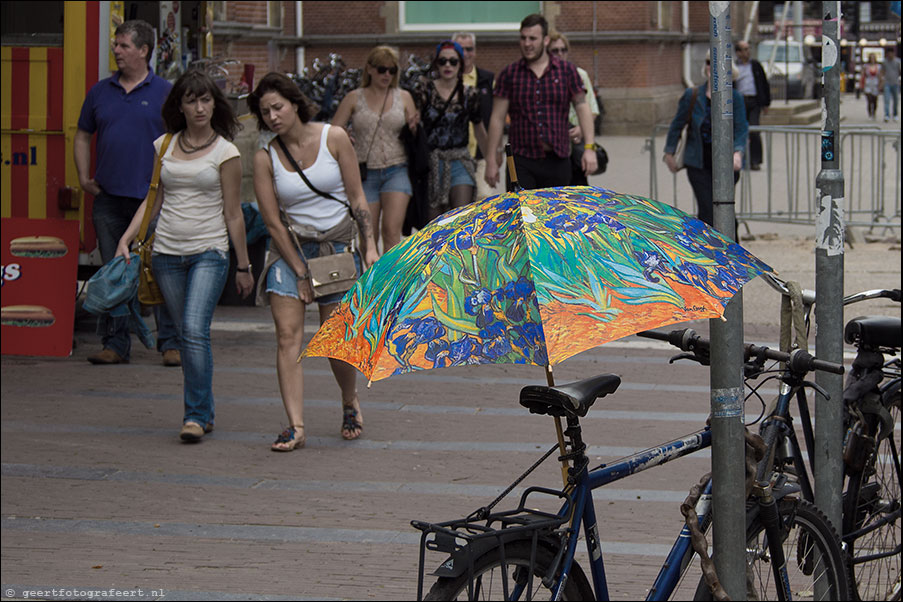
{"x": 352, "y": 425}
{"x": 289, "y": 439}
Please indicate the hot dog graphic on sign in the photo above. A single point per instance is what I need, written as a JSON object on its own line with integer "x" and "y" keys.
{"x": 38, "y": 294}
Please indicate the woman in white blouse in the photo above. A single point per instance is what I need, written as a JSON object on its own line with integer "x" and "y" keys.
{"x": 200, "y": 212}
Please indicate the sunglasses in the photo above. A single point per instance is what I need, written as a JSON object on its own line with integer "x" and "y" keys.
{"x": 442, "y": 61}
{"x": 382, "y": 69}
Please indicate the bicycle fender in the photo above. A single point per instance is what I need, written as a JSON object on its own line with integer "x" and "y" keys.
{"x": 458, "y": 563}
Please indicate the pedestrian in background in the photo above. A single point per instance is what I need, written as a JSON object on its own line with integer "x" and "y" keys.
{"x": 698, "y": 152}
{"x": 323, "y": 226}
{"x": 377, "y": 111}
{"x": 480, "y": 80}
{"x": 560, "y": 47}
{"x": 752, "y": 83}
{"x": 447, "y": 109}
{"x": 124, "y": 111}
{"x": 200, "y": 212}
{"x": 539, "y": 129}
{"x": 871, "y": 84}
{"x": 890, "y": 70}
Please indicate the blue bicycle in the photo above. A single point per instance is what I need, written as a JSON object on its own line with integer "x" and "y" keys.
{"x": 793, "y": 552}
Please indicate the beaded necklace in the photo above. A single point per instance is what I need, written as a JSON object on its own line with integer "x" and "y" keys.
{"x": 189, "y": 149}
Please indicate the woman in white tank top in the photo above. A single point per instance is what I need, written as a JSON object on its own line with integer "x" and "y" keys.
{"x": 328, "y": 160}
{"x": 378, "y": 111}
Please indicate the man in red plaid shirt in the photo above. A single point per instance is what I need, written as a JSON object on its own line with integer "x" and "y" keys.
{"x": 538, "y": 91}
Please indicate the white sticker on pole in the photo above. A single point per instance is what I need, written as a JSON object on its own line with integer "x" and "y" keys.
{"x": 829, "y": 230}
{"x": 828, "y": 54}
{"x": 716, "y": 8}
{"x": 727, "y": 403}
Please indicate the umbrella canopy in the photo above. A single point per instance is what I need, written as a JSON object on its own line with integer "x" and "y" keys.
{"x": 532, "y": 277}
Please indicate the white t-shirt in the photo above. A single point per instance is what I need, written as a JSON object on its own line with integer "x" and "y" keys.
{"x": 192, "y": 220}
{"x": 303, "y": 205}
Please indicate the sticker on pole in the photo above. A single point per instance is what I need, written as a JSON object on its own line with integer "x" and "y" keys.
{"x": 829, "y": 230}
{"x": 727, "y": 403}
{"x": 828, "y": 54}
{"x": 716, "y": 8}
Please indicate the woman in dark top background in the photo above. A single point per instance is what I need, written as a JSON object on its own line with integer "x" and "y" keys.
{"x": 447, "y": 107}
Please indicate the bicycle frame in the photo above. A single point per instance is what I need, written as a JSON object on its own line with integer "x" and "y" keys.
{"x": 585, "y": 513}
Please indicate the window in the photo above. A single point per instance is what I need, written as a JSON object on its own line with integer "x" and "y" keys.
{"x": 473, "y": 16}
{"x": 274, "y": 14}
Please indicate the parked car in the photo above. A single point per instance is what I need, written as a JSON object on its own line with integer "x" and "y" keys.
{"x": 793, "y": 67}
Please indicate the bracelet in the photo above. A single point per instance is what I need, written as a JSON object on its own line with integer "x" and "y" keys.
{"x": 247, "y": 269}
{"x": 589, "y": 146}
{"x": 304, "y": 277}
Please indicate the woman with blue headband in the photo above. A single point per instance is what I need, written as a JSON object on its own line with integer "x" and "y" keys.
{"x": 448, "y": 106}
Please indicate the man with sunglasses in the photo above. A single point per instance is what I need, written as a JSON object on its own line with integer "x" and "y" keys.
{"x": 481, "y": 81}
{"x": 537, "y": 92}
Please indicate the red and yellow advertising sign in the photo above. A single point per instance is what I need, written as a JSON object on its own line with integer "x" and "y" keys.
{"x": 37, "y": 298}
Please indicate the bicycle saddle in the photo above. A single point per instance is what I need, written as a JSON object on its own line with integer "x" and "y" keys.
{"x": 873, "y": 331}
{"x": 574, "y": 399}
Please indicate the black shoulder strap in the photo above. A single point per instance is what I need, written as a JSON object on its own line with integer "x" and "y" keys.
{"x": 294, "y": 163}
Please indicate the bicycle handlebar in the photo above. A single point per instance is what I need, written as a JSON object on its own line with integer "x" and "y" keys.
{"x": 780, "y": 286}
{"x": 799, "y": 360}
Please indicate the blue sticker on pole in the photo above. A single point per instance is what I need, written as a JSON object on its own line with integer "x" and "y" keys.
{"x": 827, "y": 145}
{"x": 727, "y": 403}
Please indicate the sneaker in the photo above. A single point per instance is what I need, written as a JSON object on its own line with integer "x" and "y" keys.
{"x": 191, "y": 432}
{"x": 886, "y": 119}
{"x": 107, "y": 356}
{"x": 172, "y": 357}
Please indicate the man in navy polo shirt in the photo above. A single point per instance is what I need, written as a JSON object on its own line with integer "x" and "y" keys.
{"x": 124, "y": 111}
{"x": 538, "y": 91}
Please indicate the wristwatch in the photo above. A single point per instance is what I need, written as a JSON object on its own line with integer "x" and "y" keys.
{"x": 247, "y": 269}
{"x": 589, "y": 146}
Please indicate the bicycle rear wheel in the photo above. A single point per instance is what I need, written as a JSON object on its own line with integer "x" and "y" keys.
{"x": 875, "y": 553}
{"x": 815, "y": 562}
{"x": 488, "y": 577}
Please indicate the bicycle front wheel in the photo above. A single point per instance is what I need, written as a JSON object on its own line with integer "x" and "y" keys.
{"x": 814, "y": 560}
{"x": 488, "y": 578}
{"x": 872, "y": 509}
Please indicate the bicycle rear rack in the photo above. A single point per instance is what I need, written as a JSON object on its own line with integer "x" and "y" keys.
{"x": 465, "y": 540}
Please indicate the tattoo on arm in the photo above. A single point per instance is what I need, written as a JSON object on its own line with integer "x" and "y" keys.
{"x": 363, "y": 219}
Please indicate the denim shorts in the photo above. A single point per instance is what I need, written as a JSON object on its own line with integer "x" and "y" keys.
{"x": 281, "y": 278}
{"x": 459, "y": 175}
{"x": 389, "y": 179}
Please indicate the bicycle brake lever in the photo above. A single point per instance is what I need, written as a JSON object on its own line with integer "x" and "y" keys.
{"x": 818, "y": 389}
{"x": 689, "y": 356}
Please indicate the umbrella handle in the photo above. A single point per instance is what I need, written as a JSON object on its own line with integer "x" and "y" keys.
{"x": 512, "y": 172}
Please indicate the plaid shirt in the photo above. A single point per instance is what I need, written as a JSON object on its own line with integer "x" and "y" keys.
{"x": 538, "y": 107}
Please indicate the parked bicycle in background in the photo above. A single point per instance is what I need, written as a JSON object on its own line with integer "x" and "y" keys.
{"x": 871, "y": 451}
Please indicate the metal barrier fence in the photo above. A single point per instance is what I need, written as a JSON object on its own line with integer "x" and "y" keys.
{"x": 784, "y": 190}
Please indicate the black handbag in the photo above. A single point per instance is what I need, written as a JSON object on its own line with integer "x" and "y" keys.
{"x": 577, "y": 158}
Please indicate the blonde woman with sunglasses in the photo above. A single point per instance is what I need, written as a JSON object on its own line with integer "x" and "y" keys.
{"x": 377, "y": 112}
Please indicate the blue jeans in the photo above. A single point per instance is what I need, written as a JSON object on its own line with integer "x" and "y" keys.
{"x": 191, "y": 286}
{"x": 891, "y": 95}
{"x": 111, "y": 217}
